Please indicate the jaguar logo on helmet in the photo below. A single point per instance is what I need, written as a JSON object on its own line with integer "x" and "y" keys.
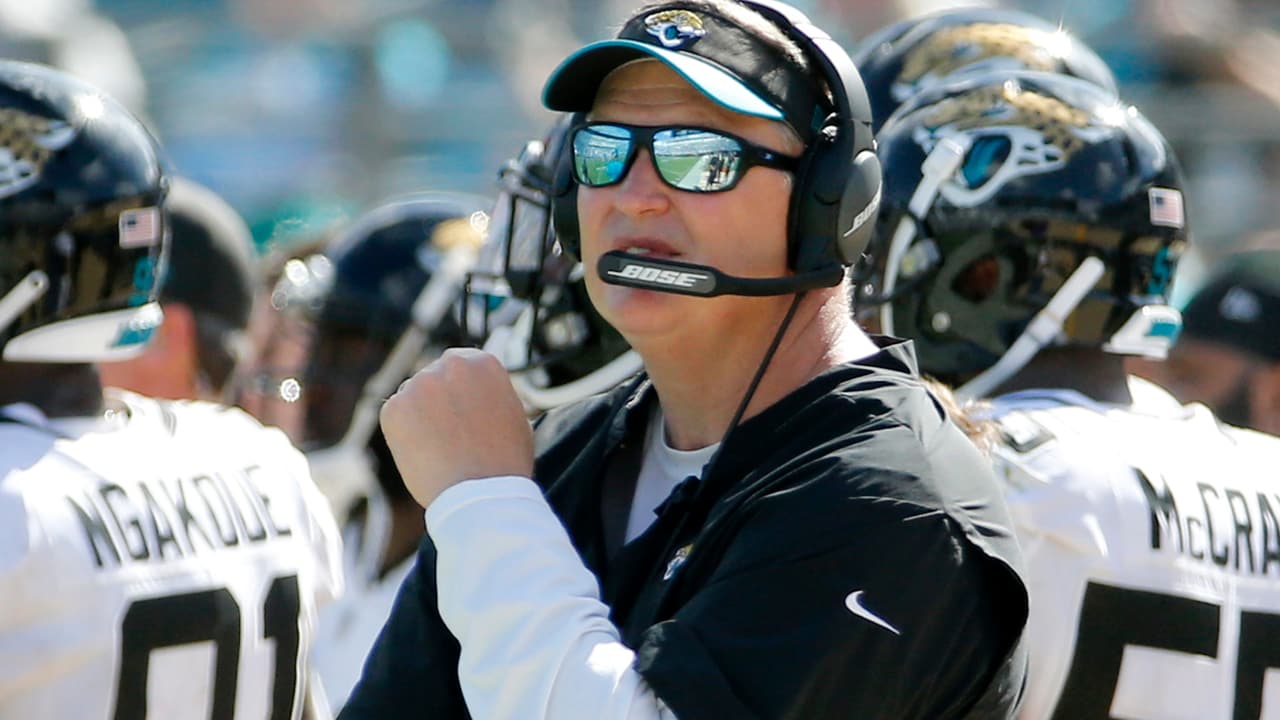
{"x": 26, "y": 143}
{"x": 675, "y": 29}
{"x": 975, "y": 47}
{"x": 1014, "y": 131}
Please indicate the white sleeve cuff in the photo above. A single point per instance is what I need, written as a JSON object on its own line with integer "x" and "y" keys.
{"x": 536, "y": 640}
{"x": 459, "y": 496}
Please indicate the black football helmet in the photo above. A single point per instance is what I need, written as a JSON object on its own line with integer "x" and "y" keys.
{"x": 1011, "y": 193}
{"x": 911, "y": 55}
{"x": 526, "y": 301}
{"x": 380, "y": 309}
{"x": 82, "y": 227}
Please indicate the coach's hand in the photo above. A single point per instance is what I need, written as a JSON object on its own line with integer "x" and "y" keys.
{"x": 457, "y": 419}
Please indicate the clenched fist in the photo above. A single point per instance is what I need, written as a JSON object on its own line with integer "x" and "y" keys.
{"x": 457, "y": 419}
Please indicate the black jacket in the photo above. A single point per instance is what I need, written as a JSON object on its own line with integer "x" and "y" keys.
{"x": 847, "y": 555}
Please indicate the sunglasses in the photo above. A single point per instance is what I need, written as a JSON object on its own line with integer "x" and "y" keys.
{"x": 692, "y": 159}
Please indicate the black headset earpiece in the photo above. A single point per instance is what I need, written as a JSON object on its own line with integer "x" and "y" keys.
{"x": 837, "y": 192}
{"x": 564, "y": 195}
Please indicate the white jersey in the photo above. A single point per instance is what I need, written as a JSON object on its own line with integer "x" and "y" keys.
{"x": 164, "y": 561}
{"x": 1152, "y": 539}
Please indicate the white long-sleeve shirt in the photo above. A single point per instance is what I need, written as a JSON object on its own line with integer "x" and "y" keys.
{"x": 536, "y": 639}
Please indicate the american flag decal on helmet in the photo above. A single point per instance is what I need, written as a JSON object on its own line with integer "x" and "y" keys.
{"x": 1166, "y": 207}
{"x": 140, "y": 227}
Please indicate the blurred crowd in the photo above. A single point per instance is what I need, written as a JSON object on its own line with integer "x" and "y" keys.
{"x": 301, "y": 112}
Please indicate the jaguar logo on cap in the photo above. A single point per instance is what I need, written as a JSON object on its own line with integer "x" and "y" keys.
{"x": 675, "y": 29}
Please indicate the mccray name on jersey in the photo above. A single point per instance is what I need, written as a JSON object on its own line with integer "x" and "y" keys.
{"x": 1233, "y": 529}
{"x": 160, "y": 519}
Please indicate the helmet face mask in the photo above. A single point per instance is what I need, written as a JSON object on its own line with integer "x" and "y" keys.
{"x": 526, "y": 301}
{"x": 1048, "y": 171}
{"x": 521, "y": 257}
{"x": 83, "y": 236}
{"x": 520, "y": 252}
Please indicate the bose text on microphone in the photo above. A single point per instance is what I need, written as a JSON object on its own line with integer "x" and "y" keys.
{"x": 673, "y": 276}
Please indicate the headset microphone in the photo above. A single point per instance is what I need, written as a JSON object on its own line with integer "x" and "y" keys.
{"x": 681, "y": 278}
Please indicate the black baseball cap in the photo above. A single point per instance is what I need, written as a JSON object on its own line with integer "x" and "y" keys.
{"x": 727, "y": 62}
{"x": 1240, "y": 306}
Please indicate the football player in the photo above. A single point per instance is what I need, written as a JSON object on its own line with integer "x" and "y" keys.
{"x": 157, "y": 559}
{"x": 380, "y": 304}
{"x": 207, "y": 296}
{"x": 1030, "y": 226}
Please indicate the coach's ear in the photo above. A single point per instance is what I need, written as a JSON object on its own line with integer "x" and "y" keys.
{"x": 1264, "y": 404}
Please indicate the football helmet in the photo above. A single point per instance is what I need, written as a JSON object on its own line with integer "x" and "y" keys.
{"x": 82, "y": 228}
{"x": 1023, "y": 209}
{"x": 380, "y": 310}
{"x": 910, "y": 56}
{"x": 526, "y": 301}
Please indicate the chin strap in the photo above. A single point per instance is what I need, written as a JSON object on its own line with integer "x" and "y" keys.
{"x": 942, "y": 163}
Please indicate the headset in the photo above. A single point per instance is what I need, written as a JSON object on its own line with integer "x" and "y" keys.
{"x": 837, "y": 186}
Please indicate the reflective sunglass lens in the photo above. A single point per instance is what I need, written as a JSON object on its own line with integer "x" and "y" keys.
{"x": 600, "y": 154}
{"x": 690, "y": 159}
{"x": 696, "y": 160}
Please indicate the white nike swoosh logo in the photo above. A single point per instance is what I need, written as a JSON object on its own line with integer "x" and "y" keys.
{"x": 854, "y": 603}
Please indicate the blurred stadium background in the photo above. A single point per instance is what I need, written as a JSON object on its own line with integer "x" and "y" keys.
{"x": 304, "y": 112}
